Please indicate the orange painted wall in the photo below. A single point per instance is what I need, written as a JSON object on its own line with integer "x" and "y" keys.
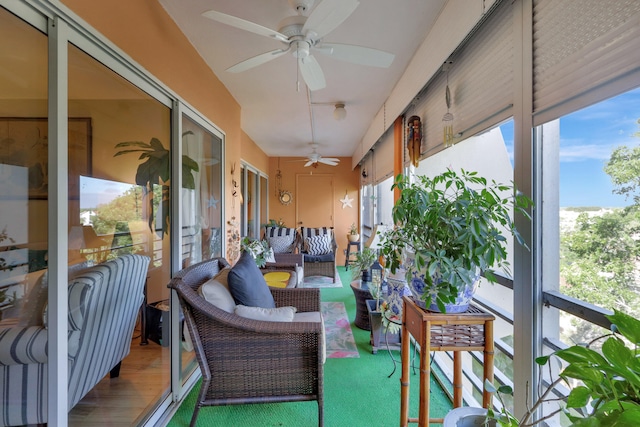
{"x": 345, "y": 180}
{"x": 144, "y": 31}
{"x": 253, "y": 154}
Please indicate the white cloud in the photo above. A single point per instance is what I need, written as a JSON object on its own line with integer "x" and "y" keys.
{"x": 577, "y": 151}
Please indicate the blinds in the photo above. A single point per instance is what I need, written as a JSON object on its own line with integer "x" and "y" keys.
{"x": 583, "y": 52}
{"x": 480, "y": 81}
{"x": 383, "y": 157}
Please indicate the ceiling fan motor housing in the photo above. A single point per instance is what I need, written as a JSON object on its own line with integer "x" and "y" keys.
{"x": 291, "y": 26}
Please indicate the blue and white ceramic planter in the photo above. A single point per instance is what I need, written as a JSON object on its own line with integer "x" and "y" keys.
{"x": 397, "y": 288}
{"x": 415, "y": 279}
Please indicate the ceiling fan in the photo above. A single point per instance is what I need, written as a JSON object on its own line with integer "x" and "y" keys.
{"x": 302, "y": 35}
{"x": 314, "y": 158}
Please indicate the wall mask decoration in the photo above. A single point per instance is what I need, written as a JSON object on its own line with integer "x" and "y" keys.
{"x": 414, "y": 139}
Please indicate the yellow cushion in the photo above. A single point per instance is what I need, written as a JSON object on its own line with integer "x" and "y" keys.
{"x": 277, "y": 279}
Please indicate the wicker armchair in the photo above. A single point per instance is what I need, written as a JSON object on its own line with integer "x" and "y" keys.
{"x": 319, "y": 265}
{"x": 285, "y": 361}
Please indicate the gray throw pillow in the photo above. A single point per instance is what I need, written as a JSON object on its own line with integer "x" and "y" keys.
{"x": 247, "y": 284}
{"x": 281, "y": 244}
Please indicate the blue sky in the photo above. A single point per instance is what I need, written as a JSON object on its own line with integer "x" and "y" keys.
{"x": 94, "y": 191}
{"x": 587, "y": 139}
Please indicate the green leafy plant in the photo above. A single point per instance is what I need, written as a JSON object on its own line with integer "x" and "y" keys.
{"x": 274, "y": 223}
{"x": 353, "y": 229}
{"x": 608, "y": 393}
{"x": 155, "y": 169}
{"x": 257, "y": 248}
{"x": 454, "y": 224}
{"x": 363, "y": 262}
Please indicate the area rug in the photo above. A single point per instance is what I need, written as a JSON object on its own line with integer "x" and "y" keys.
{"x": 322, "y": 282}
{"x": 338, "y": 334}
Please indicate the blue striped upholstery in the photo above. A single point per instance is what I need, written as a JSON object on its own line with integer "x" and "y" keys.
{"x": 281, "y": 239}
{"x": 103, "y": 306}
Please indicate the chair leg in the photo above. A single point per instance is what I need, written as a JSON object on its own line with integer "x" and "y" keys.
{"x": 194, "y": 417}
{"x": 115, "y": 371}
{"x": 201, "y": 396}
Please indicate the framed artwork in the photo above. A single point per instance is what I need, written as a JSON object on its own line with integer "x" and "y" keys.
{"x": 24, "y": 142}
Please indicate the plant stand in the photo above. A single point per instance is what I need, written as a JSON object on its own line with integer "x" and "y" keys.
{"x": 379, "y": 339}
{"x": 349, "y": 254}
{"x": 469, "y": 331}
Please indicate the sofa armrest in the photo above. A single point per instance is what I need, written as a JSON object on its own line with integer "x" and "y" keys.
{"x": 304, "y": 299}
{"x": 23, "y": 345}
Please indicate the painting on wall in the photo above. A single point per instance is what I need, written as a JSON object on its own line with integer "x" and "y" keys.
{"x": 24, "y": 142}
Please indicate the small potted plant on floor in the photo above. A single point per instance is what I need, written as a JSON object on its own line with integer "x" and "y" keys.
{"x": 450, "y": 230}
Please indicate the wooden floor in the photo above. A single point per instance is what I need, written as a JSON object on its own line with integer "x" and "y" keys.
{"x": 144, "y": 379}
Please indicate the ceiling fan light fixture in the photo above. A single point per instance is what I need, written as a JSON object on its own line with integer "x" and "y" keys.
{"x": 340, "y": 113}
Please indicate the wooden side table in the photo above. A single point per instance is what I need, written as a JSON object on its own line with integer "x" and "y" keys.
{"x": 469, "y": 331}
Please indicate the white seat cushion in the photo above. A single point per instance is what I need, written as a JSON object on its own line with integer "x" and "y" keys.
{"x": 217, "y": 294}
{"x": 279, "y": 314}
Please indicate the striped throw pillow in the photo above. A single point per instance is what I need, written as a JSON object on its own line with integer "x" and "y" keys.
{"x": 318, "y": 245}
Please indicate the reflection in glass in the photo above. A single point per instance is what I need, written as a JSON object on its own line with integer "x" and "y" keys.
{"x": 201, "y": 200}
{"x": 121, "y": 207}
{"x": 24, "y": 192}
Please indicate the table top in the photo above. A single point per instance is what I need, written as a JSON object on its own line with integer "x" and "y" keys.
{"x": 473, "y": 313}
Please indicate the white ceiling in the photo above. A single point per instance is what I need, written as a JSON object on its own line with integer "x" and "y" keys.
{"x": 276, "y": 115}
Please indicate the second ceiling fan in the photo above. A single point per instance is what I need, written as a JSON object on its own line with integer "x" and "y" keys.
{"x": 302, "y": 35}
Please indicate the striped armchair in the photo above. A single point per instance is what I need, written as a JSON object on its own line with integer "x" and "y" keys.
{"x": 103, "y": 307}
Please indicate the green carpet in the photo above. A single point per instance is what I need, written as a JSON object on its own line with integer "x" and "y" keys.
{"x": 357, "y": 392}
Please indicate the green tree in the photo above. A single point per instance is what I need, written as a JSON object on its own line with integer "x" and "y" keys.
{"x": 599, "y": 258}
{"x": 624, "y": 169}
{"x": 124, "y": 208}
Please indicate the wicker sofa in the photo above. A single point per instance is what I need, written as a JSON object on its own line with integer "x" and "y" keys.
{"x": 104, "y": 302}
{"x": 285, "y": 363}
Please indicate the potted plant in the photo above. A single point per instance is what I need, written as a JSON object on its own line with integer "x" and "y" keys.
{"x": 604, "y": 385}
{"x": 259, "y": 250}
{"x": 353, "y": 234}
{"x": 362, "y": 264}
{"x": 449, "y": 231}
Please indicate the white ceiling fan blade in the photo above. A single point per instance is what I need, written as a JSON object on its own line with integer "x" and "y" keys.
{"x": 327, "y": 16}
{"x": 331, "y": 159}
{"x": 327, "y": 162}
{"x": 357, "y": 54}
{"x": 309, "y": 163}
{"x": 245, "y": 25}
{"x": 256, "y": 60}
{"x": 312, "y": 73}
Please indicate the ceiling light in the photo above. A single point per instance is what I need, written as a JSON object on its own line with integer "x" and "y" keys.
{"x": 339, "y": 113}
